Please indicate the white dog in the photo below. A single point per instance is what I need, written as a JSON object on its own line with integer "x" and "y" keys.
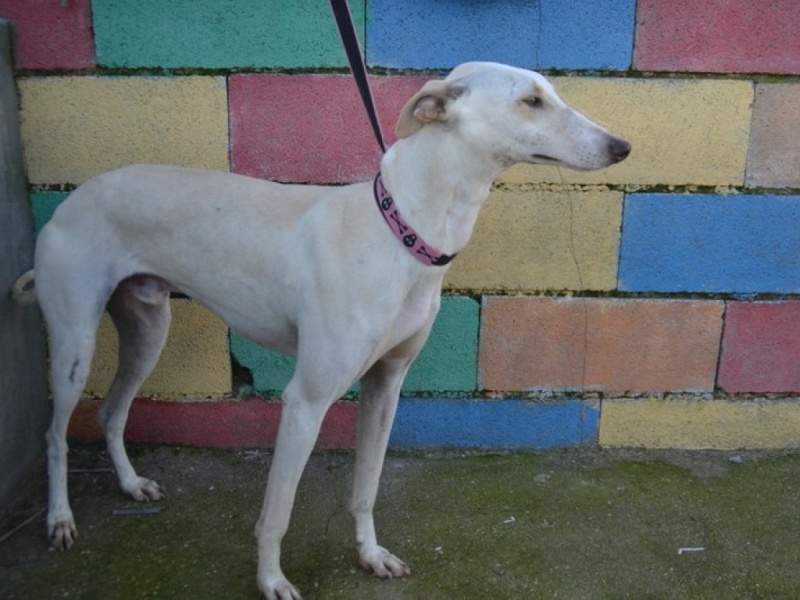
{"x": 347, "y": 279}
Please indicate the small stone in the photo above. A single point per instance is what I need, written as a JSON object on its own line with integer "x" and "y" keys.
{"x": 736, "y": 459}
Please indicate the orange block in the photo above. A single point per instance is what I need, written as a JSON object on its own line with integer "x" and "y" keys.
{"x": 591, "y": 344}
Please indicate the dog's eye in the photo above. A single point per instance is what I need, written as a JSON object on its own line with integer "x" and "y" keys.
{"x": 533, "y": 101}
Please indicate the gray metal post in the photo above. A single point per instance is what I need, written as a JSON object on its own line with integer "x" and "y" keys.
{"x": 24, "y": 408}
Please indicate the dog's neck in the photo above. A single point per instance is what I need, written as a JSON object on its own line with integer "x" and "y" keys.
{"x": 439, "y": 186}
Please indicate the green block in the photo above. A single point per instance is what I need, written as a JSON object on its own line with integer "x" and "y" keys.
{"x": 43, "y": 205}
{"x": 213, "y": 34}
{"x": 449, "y": 360}
{"x": 271, "y": 370}
{"x": 447, "y": 363}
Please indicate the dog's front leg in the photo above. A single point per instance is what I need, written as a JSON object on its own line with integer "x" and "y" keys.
{"x": 299, "y": 426}
{"x": 380, "y": 391}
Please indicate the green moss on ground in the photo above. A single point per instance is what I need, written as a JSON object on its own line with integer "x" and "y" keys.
{"x": 569, "y": 524}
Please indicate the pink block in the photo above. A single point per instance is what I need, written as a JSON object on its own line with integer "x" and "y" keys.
{"x": 761, "y": 347}
{"x": 310, "y": 128}
{"x": 774, "y": 152}
{"x": 223, "y": 424}
{"x": 718, "y": 36}
{"x": 49, "y": 34}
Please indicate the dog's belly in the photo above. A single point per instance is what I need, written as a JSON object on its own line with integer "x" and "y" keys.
{"x": 267, "y": 328}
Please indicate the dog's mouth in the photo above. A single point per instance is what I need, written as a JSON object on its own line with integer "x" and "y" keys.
{"x": 545, "y": 159}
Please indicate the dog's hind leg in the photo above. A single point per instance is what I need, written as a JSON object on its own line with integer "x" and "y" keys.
{"x": 72, "y": 341}
{"x": 140, "y": 311}
{"x": 380, "y": 392}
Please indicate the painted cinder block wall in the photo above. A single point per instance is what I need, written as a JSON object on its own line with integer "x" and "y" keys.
{"x": 653, "y": 304}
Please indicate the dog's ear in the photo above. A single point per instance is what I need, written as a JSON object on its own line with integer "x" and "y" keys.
{"x": 426, "y": 106}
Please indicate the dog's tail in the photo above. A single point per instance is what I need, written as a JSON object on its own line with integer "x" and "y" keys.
{"x": 24, "y": 288}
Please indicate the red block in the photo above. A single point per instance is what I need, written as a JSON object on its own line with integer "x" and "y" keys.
{"x": 310, "y": 128}
{"x": 49, "y": 34}
{"x": 222, "y": 424}
{"x": 718, "y": 36}
{"x": 761, "y": 347}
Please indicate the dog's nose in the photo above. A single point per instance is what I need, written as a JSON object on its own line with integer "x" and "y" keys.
{"x": 620, "y": 149}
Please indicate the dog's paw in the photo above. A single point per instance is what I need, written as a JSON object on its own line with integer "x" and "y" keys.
{"x": 143, "y": 490}
{"x": 382, "y": 563}
{"x": 279, "y": 589}
{"x": 61, "y": 532}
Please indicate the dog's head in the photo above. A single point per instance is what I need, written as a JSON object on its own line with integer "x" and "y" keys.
{"x": 514, "y": 115}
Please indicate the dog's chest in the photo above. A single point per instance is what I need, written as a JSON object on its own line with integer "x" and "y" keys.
{"x": 414, "y": 317}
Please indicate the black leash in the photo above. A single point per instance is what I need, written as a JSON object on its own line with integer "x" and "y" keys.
{"x": 347, "y": 31}
{"x": 403, "y": 231}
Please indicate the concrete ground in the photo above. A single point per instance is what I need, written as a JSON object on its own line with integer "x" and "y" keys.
{"x": 562, "y": 524}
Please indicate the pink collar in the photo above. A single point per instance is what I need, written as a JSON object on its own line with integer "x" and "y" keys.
{"x": 404, "y": 232}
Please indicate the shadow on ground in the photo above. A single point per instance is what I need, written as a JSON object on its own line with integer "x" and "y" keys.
{"x": 561, "y": 524}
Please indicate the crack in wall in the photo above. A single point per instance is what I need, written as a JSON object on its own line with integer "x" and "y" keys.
{"x": 581, "y": 286}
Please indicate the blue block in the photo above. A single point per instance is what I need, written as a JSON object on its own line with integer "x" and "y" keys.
{"x": 708, "y": 243}
{"x": 511, "y": 424}
{"x": 545, "y": 34}
{"x": 575, "y": 34}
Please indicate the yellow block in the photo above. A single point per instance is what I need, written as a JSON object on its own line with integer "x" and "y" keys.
{"x": 682, "y": 131}
{"x": 76, "y": 127}
{"x": 700, "y": 424}
{"x": 542, "y": 240}
{"x": 195, "y": 362}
